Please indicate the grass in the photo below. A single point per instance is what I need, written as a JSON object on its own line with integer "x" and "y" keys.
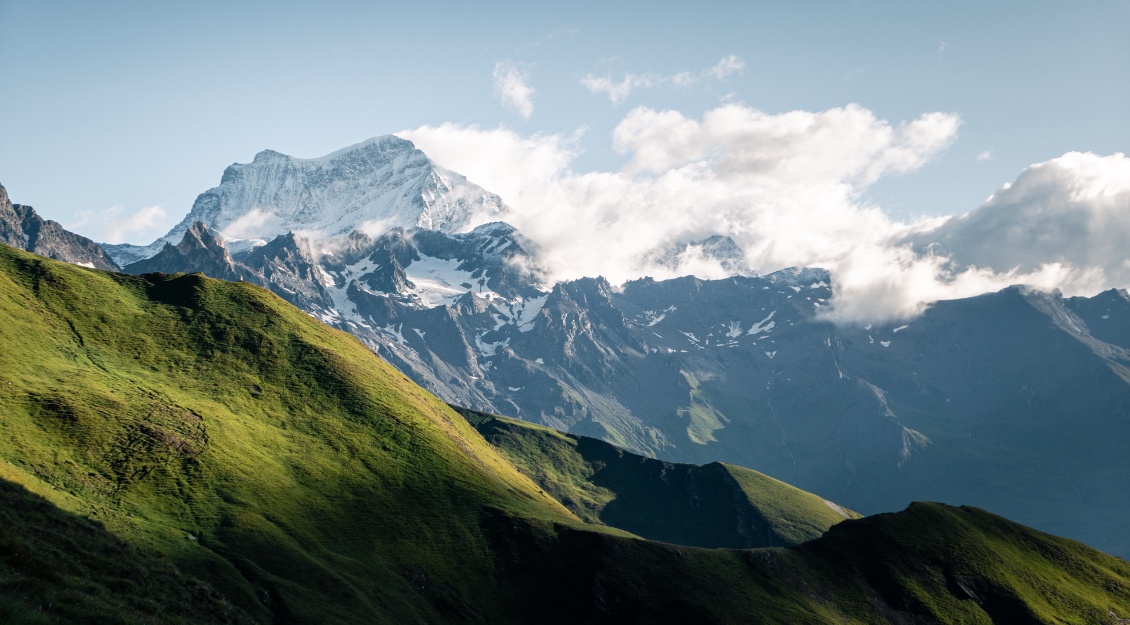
{"x": 56, "y": 565}
{"x": 715, "y": 505}
{"x": 212, "y": 422}
{"x": 180, "y": 449}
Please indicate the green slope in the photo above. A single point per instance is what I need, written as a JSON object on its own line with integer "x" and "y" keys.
{"x": 262, "y": 450}
{"x": 200, "y": 451}
{"x": 87, "y": 575}
{"x": 938, "y": 563}
{"x": 716, "y": 505}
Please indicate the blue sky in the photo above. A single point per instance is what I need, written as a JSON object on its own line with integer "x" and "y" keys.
{"x": 122, "y": 112}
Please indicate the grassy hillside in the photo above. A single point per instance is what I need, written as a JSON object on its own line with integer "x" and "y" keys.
{"x": 716, "y": 505}
{"x": 937, "y": 563}
{"x": 56, "y": 564}
{"x": 259, "y": 448}
{"x": 178, "y": 449}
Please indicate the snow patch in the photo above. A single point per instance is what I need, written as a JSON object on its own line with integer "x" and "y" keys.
{"x": 528, "y": 312}
{"x": 765, "y": 325}
{"x": 327, "y": 279}
{"x": 396, "y": 333}
{"x": 439, "y": 281}
{"x": 489, "y": 349}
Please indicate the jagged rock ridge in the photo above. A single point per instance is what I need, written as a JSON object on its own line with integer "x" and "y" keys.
{"x": 22, "y": 228}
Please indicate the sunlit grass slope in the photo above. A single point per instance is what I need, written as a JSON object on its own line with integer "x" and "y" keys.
{"x": 715, "y": 505}
{"x": 200, "y": 451}
{"x": 263, "y": 450}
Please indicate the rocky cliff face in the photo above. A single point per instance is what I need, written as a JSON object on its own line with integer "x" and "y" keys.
{"x": 22, "y": 228}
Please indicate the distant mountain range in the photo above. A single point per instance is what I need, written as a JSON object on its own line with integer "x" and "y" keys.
{"x": 1016, "y": 401}
{"x": 178, "y": 449}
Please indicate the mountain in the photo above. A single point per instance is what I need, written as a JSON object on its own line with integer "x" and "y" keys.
{"x": 21, "y": 227}
{"x": 717, "y": 505}
{"x": 199, "y": 251}
{"x": 373, "y": 186}
{"x": 1013, "y": 401}
{"x": 256, "y": 465}
{"x": 719, "y": 249}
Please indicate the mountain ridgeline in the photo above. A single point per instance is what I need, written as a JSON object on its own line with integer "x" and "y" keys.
{"x": 182, "y": 449}
{"x": 1014, "y": 401}
{"x": 22, "y": 228}
{"x": 716, "y": 505}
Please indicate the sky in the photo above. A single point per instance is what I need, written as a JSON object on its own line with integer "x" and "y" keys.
{"x": 830, "y": 133}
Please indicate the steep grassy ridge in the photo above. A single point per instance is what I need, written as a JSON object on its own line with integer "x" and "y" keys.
{"x": 263, "y": 450}
{"x": 716, "y": 505}
{"x": 245, "y": 462}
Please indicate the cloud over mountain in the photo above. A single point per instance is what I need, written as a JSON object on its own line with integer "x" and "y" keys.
{"x": 789, "y": 190}
{"x": 1073, "y": 210}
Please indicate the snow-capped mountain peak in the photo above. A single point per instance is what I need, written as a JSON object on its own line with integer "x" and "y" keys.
{"x": 373, "y": 186}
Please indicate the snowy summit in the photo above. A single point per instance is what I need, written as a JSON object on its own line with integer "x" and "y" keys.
{"x": 372, "y": 186}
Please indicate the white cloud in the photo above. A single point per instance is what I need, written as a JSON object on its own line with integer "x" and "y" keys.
{"x": 512, "y": 88}
{"x": 984, "y": 155}
{"x": 789, "y": 189}
{"x": 729, "y": 65}
{"x": 249, "y": 226}
{"x": 116, "y": 225}
{"x": 618, "y": 90}
{"x": 843, "y": 144}
{"x": 1072, "y": 212}
{"x": 785, "y": 187}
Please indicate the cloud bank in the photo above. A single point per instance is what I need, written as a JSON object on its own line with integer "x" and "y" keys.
{"x": 1072, "y": 212}
{"x": 789, "y": 189}
{"x": 618, "y": 90}
{"x": 512, "y": 88}
{"x": 117, "y": 225}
